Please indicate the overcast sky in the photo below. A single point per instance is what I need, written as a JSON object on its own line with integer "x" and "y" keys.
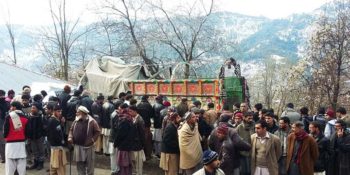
{"x": 37, "y": 12}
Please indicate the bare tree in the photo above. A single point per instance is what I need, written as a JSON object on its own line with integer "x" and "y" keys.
{"x": 11, "y": 33}
{"x": 329, "y": 53}
{"x": 186, "y": 33}
{"x": 58, "y": 40}
{"x": 128, "y": 11}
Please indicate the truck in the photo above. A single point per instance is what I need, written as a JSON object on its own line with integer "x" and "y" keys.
{"x": 226, "y": 91}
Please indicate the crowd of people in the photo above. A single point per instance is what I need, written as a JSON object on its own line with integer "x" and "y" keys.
{"x": 187, "y": 138}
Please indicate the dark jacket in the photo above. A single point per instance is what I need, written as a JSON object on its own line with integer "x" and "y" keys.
{"x": 87, "y": 102}
{"x": 323, "y": 149}
{"x": 72, "y": 105}
{"x": 306, "y": 121}
{"x": 35, "y": 127}
{"x": 4, "y": 108}
{"x": 170, "y": 142}
{"x": 272, "y": 129}
{"x": 139, "y": 138}
{"x": 64, "y": 97}
{"x": 228, "y": 149}
{"x": 55, "y": 132}
{"x": 125, "y": 133}
{"x": 340, "y": 155}
{"x": 114, "y": 126}
{"x": 204, "y": 128}
{"x": 182, "y": 108}
{"x": 96, "y": 111}
{"x": 144, "y": 108}
{"x": 107, "y": 110}
{"x": 157, "y": 119}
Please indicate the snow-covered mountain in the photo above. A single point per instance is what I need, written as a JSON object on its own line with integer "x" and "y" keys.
{"x": 255, "y": 38}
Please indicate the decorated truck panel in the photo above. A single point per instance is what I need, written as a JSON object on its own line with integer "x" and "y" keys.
{"x": 219, "y": 91}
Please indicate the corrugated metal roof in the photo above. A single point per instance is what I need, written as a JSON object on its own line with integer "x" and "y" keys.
{"x": 13, "y": 77}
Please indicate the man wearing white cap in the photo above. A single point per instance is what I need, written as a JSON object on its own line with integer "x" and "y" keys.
{"x": 83, "y": 134}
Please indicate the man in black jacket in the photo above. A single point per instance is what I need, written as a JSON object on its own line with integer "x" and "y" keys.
{"x": 144, "y": 108}
{"x": 320, "y": 166}
{"x": 340, "y": 150}
{"x": 4, "y": 108}
{"x": 157, "y": 124}
{"x": 96, "y": 111}
{"x": 139, "y": 140}
{"x": 107, "y": 110}
{"x": 64, "y": 97}
{"x": 55, "y": 136}
{"x": 123, "y": 140}
{"x": 170, "y": 152}
{"x": 228, "y": 143}
{"x": 35, "y": 135}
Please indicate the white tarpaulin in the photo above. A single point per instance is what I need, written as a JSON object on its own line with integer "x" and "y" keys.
{"x": 109, "y": 77}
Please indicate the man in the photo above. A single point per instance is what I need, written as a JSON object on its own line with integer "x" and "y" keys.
{"x": 189, "y": 144}
{"x": 114, "y": 127}
{"x": 64, "y": 97}
{"x": 169, "y": 159}
{"x": 305, "y": 118}
{"x": 245, "y": 130}
{"x": 85, "y": 100}
{"x": 203, "y": 127}
{"x": 26, "y": 106}
{"x": 341, "y": 114}
{"x": 35, "y": 135}
{"x": 138, "y": 156}
{"x": 282, "y": 133}
{"x": 128, "y": 98}
{"x": 107, "y": 110}
{"x": 211, "y": 164}
{"x": 330, "y": 125}
{"x": 257, "y": 108}
{"x": 55, "y": 136}
{"x": 320, "y": 117}
{"x": 266, "y": 150}
{"x": 227, "y": 142}
{"x": 291, "y": 113}
{"x": 302, "y": 151}
{"x": 72, "y": 106}
{"x": 25, "y": 91}
{"x": 96, "y": 111}
{"x": 243, "y": 108}
{"x": 340, "y": 150}
{"x": 271, "y": 124}
{"x": 10, "y": 95}
{"x": 15, "y": 135}
{"x": 157, "y": 124}
{"x": 4, "y": 108}
{"x": 146, "y": 111}
{"x": 237, "y": 119}
{"x": 230, "y": 69}
{"x": 182, "y": 108}
{"x": 210, "y": 116}
{"x": 323, "y": 148}
{"x": 83, "y": 134}
{"x": 123, "y": 140}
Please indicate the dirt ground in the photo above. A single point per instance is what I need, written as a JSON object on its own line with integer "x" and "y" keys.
{"x": 102, "y": 165}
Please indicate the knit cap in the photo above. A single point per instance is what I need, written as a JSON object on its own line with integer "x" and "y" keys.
{"x": 209, "y": 156}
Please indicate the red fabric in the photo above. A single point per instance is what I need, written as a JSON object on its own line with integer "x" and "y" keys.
{"x": 166, "y": 103}
{"x": 300, "y": 137}
{"x": 17, "y": 135}
{"x": 330, "y": 113}
{"x": 222, "y": 129}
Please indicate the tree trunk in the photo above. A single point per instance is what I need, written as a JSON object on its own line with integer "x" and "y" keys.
{"x": 187, "y": 71}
